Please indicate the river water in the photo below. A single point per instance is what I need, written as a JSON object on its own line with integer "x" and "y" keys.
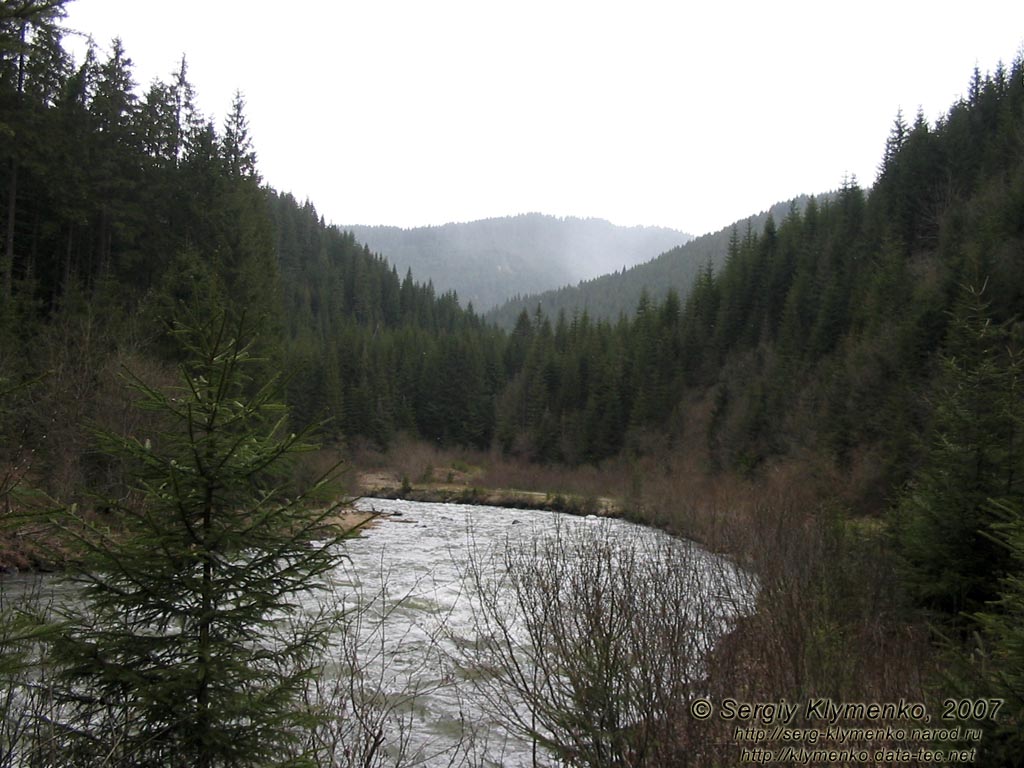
{"x": 407, "y": 582}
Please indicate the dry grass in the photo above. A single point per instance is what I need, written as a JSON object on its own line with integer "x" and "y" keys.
{"x": 349, "y": 521}
{"x": 419, "y": 463}
{"x": 829, "y": 620}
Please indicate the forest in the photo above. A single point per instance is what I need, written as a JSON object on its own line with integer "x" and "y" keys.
{"x": 873, "y": 335}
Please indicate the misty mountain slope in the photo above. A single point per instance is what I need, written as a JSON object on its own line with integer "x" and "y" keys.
{"x": 489, "y": 261}
{"x": 618, "y": 291}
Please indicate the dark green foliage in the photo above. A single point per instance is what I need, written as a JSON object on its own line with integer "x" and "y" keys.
{"x": 190, "y": 647}
{"x": 820, "y": 318}
{"x": 121, "y": 209}
{"x": 974, "y": 454}
{"x": 104, "y": 186}
{"x": 378, "y": 355}
{"x": 1002, "y": 627}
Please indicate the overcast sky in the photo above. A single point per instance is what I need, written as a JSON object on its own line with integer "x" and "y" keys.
{"x": 682, "y": 114}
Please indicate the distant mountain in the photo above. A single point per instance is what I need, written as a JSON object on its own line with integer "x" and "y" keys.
{"x": 488, "y": 262}
{"x": 608, "y": 296}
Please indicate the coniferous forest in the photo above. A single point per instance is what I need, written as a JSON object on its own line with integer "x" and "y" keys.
{"x": 873, "y": 334}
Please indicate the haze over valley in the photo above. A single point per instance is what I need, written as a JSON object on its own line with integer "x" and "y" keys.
{"x": 490, "y": 261}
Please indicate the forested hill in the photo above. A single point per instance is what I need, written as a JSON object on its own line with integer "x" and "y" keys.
{"x": 822, "y": 330}
{"x": 121, "y": 208}
{"x": 487, "y": 262}
{"x": 618, "y": 292}
{"x": 128, "y": 212}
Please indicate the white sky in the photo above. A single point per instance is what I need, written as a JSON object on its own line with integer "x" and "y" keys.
{"x": 682, "y": 114}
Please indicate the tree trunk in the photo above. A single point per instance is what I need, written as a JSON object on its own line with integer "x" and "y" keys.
{"x": 12, "y": 188}
{"x": 8, "y": 263}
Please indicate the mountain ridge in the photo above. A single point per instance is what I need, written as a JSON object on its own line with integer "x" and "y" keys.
{"x": 488, "y": 261}
{"x": 617, "y": 292}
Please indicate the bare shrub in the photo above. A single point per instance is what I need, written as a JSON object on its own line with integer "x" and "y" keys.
{"x": 375, "y": 674}
{"x": 312, "y": 465}
{"x": 829, "y": 621}
{"x": 416, "y": 459}
{"x": 591, "y": 643}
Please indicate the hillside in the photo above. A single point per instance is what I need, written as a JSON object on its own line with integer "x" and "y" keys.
{"x": 487, "y": 262}
{"x": 618, "y": 292}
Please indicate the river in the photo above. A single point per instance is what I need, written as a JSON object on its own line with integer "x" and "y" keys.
{"x": 408, "y": 581}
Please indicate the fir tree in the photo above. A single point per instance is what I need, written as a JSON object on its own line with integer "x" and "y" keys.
{"x": 1002, "y": 628}
{"x": 975, "y": 454}
{"x": 189, "y": 647}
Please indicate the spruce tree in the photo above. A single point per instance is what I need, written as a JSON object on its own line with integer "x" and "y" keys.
{"x": 945, "y": 520}
{"x": 1002, "y": 630}
{"x": 190, "y": 646}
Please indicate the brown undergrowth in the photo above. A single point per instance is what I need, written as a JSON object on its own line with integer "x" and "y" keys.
{"x": 829, "y": 620}
{"x": 420, "y": 471}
